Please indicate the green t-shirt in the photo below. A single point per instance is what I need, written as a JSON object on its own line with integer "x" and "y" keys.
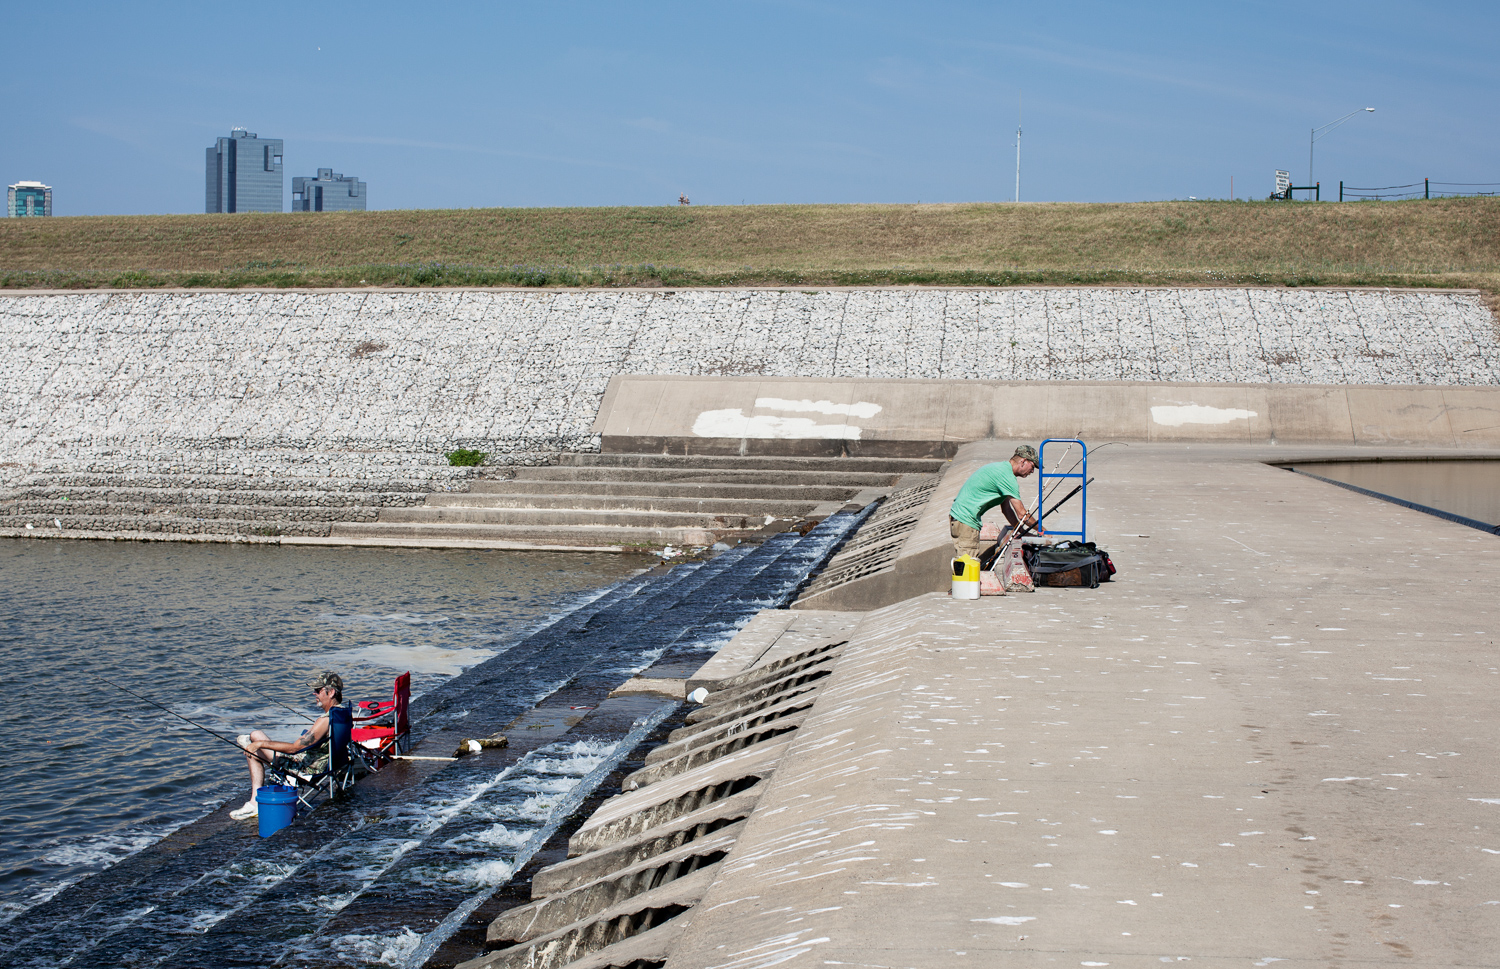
{"x": 985, "y": 489}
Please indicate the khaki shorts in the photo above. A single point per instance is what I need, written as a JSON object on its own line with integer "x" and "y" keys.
{"x": 966, "y": 540}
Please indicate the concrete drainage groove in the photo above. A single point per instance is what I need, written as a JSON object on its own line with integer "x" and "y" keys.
{"x": 727, "y": 814}
{"x": 648, "y": 856}
{"x": 727, "y": 687}
{"x": 708, "y": 754}
{"x": 614, "y": 891}
{"x": 739, "y": 692}
{"x": 787, "y": 698}
{"x": 794, "y": 679}
{"x": 763, "y": 713}
{"x": 667, "y": 809}
{"x": 848, "y": 566}
{"x": 878, "y": 542}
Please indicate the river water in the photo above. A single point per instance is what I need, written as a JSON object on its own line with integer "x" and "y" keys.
{"x": 396, "y": 871}
{"x": 90, "y": 774}
{"x": 1467, "y": 488}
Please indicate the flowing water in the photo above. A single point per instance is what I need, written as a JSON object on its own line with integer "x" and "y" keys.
{"x": 386, "y": 874}
{"x": 1467, "y": 488}
{"x": 91, "y": 774}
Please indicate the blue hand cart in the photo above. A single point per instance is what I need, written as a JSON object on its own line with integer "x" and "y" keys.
{"x": 1082, "y": 474}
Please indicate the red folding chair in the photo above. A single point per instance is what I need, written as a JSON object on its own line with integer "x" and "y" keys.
{"x": 390, "y": 731}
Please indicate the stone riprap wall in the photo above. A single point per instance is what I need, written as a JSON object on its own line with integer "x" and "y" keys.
{"x": 375, "y": 385}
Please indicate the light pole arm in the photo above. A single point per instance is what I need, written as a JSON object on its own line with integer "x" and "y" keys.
{"x": 1319, "y": 132}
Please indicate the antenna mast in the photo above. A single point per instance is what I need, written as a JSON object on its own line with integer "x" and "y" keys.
{"x": 1018, "y": 148}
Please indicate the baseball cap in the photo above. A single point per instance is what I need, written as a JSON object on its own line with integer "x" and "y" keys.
{"x": 327, "y": 678}
{"x": 1029, "y": 453}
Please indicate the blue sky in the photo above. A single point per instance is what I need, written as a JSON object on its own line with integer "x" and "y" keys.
{"x": 581, "y": 103}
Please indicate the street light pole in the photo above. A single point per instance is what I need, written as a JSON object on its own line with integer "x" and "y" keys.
{"x": 1317, "y": 133}
{"x": 1018, "y": 148}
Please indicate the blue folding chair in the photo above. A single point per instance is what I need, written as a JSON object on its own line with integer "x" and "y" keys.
{"x": 339, "y": 772}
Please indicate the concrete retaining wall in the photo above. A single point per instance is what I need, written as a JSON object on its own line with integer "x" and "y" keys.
{"x": 932, "y": 418}
{"x": 366, "y": 382}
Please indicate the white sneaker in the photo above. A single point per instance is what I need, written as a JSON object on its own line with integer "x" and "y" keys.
{"x": 243, "y": 740}
{"x": 246, "y": 811}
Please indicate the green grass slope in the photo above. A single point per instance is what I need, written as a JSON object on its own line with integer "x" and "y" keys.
{"x": 1442, "y": 242}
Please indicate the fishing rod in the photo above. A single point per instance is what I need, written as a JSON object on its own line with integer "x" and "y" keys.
{"x": 1021, "y": 530}
{"x": 1041, "y": 499}
{"x": 1058, "y": 483}
{"x": 1026, "y": 529}
{"x": 245, "y": 686}
{"x": 212, "y": 733}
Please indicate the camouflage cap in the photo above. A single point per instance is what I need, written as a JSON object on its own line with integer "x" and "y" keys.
{"x": 1029, "y": 453}
{"x": 326, "y": 679}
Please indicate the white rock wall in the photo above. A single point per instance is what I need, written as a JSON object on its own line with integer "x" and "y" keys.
{"x": 276, "y": 380}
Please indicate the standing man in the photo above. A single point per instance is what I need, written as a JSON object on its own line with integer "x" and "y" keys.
{"x": 994, "y": 484}
{"x": 309, "y": 750}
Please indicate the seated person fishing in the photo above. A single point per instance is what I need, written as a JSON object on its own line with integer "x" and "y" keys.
{"x": 309, "y": 752}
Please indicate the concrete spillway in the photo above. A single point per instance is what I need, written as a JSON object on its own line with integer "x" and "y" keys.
{"x": 1267, "y": 740}
{"x": 1270, "y": 739}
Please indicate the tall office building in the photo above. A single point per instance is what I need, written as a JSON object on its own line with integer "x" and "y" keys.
{"x": 244, "y": 174}
{"x": 34, "y": 198}
{"x": 329, "y": 192}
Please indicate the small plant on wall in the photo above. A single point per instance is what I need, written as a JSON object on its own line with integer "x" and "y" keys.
{"x": 464, "y": 458}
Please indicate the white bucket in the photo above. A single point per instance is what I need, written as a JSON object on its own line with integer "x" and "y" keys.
{"x": 966, "y": 577}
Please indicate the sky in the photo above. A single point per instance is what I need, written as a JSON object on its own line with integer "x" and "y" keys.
{"x": 466, "y": 104}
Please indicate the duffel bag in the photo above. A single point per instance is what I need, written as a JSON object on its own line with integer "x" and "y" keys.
{"x": 1069, "y": 564}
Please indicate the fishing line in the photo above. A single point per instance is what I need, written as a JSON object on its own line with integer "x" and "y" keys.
{"x": 245, "y": 686}
{"x": 212, "y": 733}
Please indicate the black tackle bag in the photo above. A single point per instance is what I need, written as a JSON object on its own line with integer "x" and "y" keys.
{"x": 1069, "y": 564}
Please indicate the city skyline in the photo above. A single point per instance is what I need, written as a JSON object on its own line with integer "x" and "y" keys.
{"x": 769, "y": 102}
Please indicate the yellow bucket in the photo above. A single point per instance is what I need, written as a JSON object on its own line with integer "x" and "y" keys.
{"x": 966, "y": 577}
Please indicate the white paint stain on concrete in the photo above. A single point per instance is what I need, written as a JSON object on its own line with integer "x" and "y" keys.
{"x": 1176, "y": 415}
{"x": 863, "y": 409}
{"x": 734, "y": 422}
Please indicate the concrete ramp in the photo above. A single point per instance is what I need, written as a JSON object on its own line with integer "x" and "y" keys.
{"x": 1269, "y": 741}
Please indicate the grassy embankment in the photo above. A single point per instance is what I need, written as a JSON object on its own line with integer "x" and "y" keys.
{"x": 1438, "y": 243}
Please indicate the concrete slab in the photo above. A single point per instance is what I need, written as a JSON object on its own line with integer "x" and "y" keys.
{"x": 772, "y": 634}
{"x": 1270, "y": 739}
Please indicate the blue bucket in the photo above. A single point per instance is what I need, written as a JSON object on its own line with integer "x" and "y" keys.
{"x": 277, "y": 805}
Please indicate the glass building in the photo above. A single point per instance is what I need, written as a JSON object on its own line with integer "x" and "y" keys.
{"x": 244, "y": 174}
{"x": 329, "y": 192}
{"x": 30, "y": 198}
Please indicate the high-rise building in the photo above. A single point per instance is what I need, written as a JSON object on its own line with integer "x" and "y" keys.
{"x": 329, "y": 192}
{"x": 34, "y": 198}
{"x": 244, "y": 174}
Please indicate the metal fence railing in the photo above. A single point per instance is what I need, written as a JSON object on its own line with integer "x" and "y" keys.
{"x": 1425, "y": 189}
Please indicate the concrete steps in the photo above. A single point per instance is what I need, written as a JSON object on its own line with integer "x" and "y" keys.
{"x": 630, "y": 516}
{"x": 642, "y": 499}
{"x": 131, "y": 526}
{"x": 832, "y": 475}
{"x": 578, "y": 500}
{"x": 439, "y": 533}
{"x": 687, "y": 504}
{"x": 204, "y": 512}
{"x": 648, "y": 489}
{"x": 122, "y": 505}
{"x": 750, "y": 462}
